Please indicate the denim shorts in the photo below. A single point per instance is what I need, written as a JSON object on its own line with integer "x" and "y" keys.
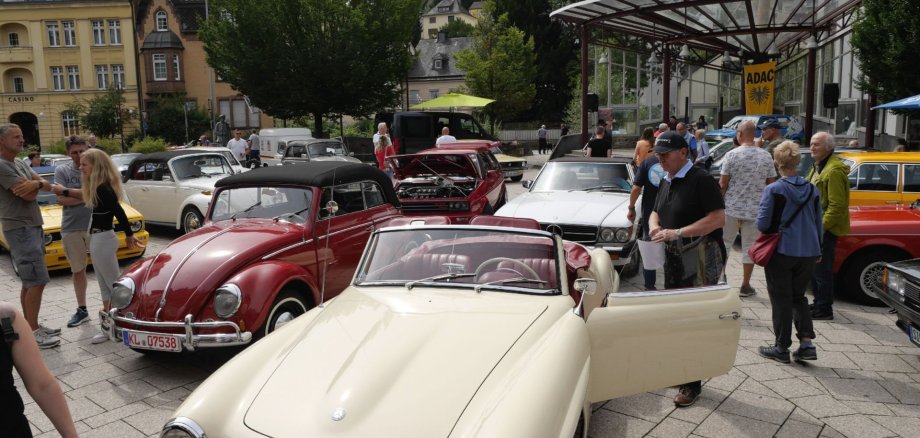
{"x": 27, "y": 248}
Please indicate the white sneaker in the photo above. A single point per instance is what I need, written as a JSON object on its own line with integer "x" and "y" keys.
{"x": 43, "y": 340}
{"x": 99, "y": 338}
{"x": 49, "y": 331}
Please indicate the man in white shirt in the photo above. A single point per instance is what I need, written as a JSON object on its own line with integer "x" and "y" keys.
{"x": 445, "y": 137}
{"x": 238, "y": 146}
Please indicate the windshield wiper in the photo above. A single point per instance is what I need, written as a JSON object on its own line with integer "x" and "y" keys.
{"x": 411, "y": 284}
{"x": 479, "y": 287}
{"x": 246, "y": 210}
{"x": 296, "y": 213}
{"x": 606, "y": 187}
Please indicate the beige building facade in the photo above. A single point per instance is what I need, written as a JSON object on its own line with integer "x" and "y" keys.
{"x": 56, "y": 52}
{"x": 443, "y": 13}
{"x": 173, "y": 60}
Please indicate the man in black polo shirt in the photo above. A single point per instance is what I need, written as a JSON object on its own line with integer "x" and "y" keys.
{"x": 688, "y": 217}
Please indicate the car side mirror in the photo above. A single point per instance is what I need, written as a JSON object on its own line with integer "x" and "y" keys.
{"x": 586, "y": 286}
{"x": 351, "y": 154}
{"x": 527, "y": 183}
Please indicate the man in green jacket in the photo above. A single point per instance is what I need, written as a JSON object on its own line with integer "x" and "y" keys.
{"x": 829, "y": 175}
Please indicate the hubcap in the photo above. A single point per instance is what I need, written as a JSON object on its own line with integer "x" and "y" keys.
{"x": 191, "y": 221}
{"x": 283, "y": 319}
{"x": 870, "y": 279}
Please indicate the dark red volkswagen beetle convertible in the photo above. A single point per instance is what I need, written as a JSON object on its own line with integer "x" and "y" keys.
{"x": 274, "y": 238}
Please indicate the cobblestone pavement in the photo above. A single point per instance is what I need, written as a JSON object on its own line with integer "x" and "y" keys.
{"x": 865, "y": 383}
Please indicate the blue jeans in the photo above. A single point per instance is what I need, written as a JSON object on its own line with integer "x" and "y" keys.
{"x": 822, "y": 282}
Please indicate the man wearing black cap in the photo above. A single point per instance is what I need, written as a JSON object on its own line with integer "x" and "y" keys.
{"x": 688, "y": 217}
{"x": 771, "y": 134}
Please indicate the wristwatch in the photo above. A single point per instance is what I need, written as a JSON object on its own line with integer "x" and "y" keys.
{"x": 680, "y": 233}
{"x": 66, "y": 193}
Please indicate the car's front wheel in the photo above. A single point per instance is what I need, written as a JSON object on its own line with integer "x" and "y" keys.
{"x": 192, "y": 219}
{"x": 862, "y": 274}
{"x": 287, "y": 306}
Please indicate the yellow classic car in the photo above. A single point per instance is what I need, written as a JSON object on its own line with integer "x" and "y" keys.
{"x": 54, "y": 248}
{"x": 883, "y": 177}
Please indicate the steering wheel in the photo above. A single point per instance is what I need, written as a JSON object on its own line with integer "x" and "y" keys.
{"x": 415, "y": 243}
{"x": 493, "y": 261}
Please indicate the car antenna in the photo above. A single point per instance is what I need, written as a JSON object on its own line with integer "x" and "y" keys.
{"x": 332, "y": 208}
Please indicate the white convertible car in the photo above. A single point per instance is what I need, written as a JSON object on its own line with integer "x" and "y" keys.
{"x": 494, "y": 329}
{"x": 584, "y": 200}
{"x": 174, "y": 187}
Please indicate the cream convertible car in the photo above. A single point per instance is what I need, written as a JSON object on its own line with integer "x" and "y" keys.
{"x": 466, "y": 330}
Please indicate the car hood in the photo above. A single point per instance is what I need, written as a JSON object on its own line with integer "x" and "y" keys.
{"x": 194, "y": 265}
{"x": 883, "y": 219}
{"x": 503, "y": 158}
{"x": 449, "y": 165}
{"x": 723, "y": 132}
{"x": 576, "y": 207}
{"x": 910, "y": 267}
{"x": 51, "y": 215}
{"x": 409, "y": 359}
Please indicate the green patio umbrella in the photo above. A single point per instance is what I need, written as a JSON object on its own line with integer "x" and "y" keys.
{"x": 454, "y": 100}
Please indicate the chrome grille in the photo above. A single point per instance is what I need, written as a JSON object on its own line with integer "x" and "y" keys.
{"x": 584, "y": 234}
{"x": 912, "y": 295}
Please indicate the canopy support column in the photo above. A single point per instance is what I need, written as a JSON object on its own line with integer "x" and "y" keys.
{"x": 870, "y": 121}
{"x": 666, "y": 83}
{"x": 809, "y": 96}
{"x": 584, "y": 84}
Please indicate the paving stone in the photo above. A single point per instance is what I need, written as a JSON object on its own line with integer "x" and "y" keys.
{"x": 868, "y": 408}
{"x": 114, "y": 429}
{"x": 646, "y": 406}
{"x": 857, "y": 389}
{"x": 902, "y": 426}
{"x": 880, "y": 349}
{"x": 88, "y": 376}
{"x": 709, "y": 399}
{"x": 904, "y": 410}
{"x": 753, "y": 386}
{"x": 672, "y": 428}
{"x": 857, "y": 374}
{"x": 723, "y": 424}
{"x": 116, "y": 414}
{"x": 169, "y": 396}
{"x": 908, "y": 393}
{"x": 124, "y": 394}
{"x": 727, "y": 382}
{"x": 765, "y": 371}
{"x": 858, "y": 426}
{"x": 880, "y": 362}
{"x": 149, "y": 421}
{"x": 747, "y": 357}
{"x": 747, "y": 404}
{"x": 794, "y": 387}
{"x": 847, "y": 337}
{"x": 176, "y": 377}
{"x": 89, "y": 389}
{"x": 811, "y": 369}
{"x": 821, "y": 406}
{"x": 834, "y": 359}
{"x": 798, "y": 429}
{"x": 896, "y": 377}
{"x": 836, "y": 347}
{"x": 609, "y": 423}
{"x": 757, "y": 333}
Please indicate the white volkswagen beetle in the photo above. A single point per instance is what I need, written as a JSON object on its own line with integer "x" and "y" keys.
{"x": 584, "y": 200}
{"x": 466, "y": 330}
{"x": 174, "y": 187}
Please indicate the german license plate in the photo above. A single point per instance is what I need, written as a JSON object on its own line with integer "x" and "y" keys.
{"x": 914, "y": 334}
{"x": 150, "y": 341}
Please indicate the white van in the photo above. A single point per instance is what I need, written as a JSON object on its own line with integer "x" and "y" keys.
{"x": 269, "y": 138}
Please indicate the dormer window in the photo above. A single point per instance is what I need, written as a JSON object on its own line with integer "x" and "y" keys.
{"x": 438, "y": 64}
{"x": 443, "y": 8}
{"x": 161, "y": 21}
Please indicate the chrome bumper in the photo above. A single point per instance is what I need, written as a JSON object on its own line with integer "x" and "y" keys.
{"x": 513, "y": 172}
{"x": 624, "y": 252}
{"x": 190, "y": 340}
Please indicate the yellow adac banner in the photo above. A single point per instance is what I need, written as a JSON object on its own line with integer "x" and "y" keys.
{"x": 758, "y": 87}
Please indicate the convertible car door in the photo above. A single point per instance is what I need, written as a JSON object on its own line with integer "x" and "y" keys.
{"x": 642, "y": 341}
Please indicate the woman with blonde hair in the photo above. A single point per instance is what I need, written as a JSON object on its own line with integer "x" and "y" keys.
{"x": 102, "y": 192}
{"x": 791, "y": 206}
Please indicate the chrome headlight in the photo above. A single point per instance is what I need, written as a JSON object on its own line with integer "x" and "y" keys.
{"x": 622, "y": 234}
{"x": 122, "y": 293}
{"x": 136, "y": 226}
{"x": 48, "y": 239}
{"x": 181, "y": 427}
{"x": 895, "y": 282}
{"x": 227, "y": 300}
{"x": 607, "y": 234}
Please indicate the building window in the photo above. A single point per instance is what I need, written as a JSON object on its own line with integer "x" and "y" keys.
{"x": 115, "y": 32}
{"x": 238, "y": 113}
{"x": 102, "y": 77}
{"x": 159, "y": 67}
{"x": 118, "y": 76}
{"x": 176, "y": 74}
{"x": 70, "y": 123}
{"x": 98, "y": 33}
{"x": 432, "y": 20}
{"x": 19, "y": 86}
{"x": 73, "y": 77}
{"x": 432, "y": 33}
{"x": 54, "y": 39}
{"x": 161, "y": 21}
{"x": 432, "y": 93}
{"x": 57, "y": 78}
{"x": 13, "y": 39}
{"x": 450, "y": 18}
{"x": 438, "y": 64}
{"x": 70, "y": 34}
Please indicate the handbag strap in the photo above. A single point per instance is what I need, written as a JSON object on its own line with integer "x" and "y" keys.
{"x": 811, "y": 190}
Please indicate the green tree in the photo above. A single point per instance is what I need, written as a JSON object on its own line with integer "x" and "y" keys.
{"x": 885, "y": 38}
{"x": 299, "y": 57}
{"x": 500, "y": 65}
{"x": 104, "y": 115}
{"x": 166, "y": 119}
{"x": 457, "y": 28}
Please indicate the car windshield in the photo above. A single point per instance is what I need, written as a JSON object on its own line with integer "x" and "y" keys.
{"x": 718, "y": 151}
{"x": 468, "y": 258}
{"x": 201, "y": 166}
{"x": 291, "y": 204}
{"x": 313, "y": 150}
{"x": 733, "y": 123}
{"x": 583, "y": 176}
{"x": 496, "y": 150}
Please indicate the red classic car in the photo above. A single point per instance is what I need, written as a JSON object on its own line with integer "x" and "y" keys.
{"x": 458, "y": 181}
{"x": 277, "y": 241}
{"x": 878, "y": 235}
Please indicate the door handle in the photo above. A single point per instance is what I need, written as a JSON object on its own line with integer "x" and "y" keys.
{"x": 145, "y": 189}
{"x": 732, "y": 315}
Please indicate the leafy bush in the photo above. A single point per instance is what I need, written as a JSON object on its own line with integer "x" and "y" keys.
{"x": 361, "y": 128}
{"x": 149, "y": 145}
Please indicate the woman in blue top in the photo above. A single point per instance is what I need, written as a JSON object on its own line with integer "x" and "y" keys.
{"x": 790, "y": 268}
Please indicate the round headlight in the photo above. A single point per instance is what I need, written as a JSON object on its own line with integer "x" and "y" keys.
{"x": 622, "y": 234}
{"x": 181, "y": 427}
{"x": 136, "y": 226}
{"x": 122, "y": 293}
{"x": 48, "y": 239}
{"x": 607, "y": 234}
{"x": 227, "y": 300}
